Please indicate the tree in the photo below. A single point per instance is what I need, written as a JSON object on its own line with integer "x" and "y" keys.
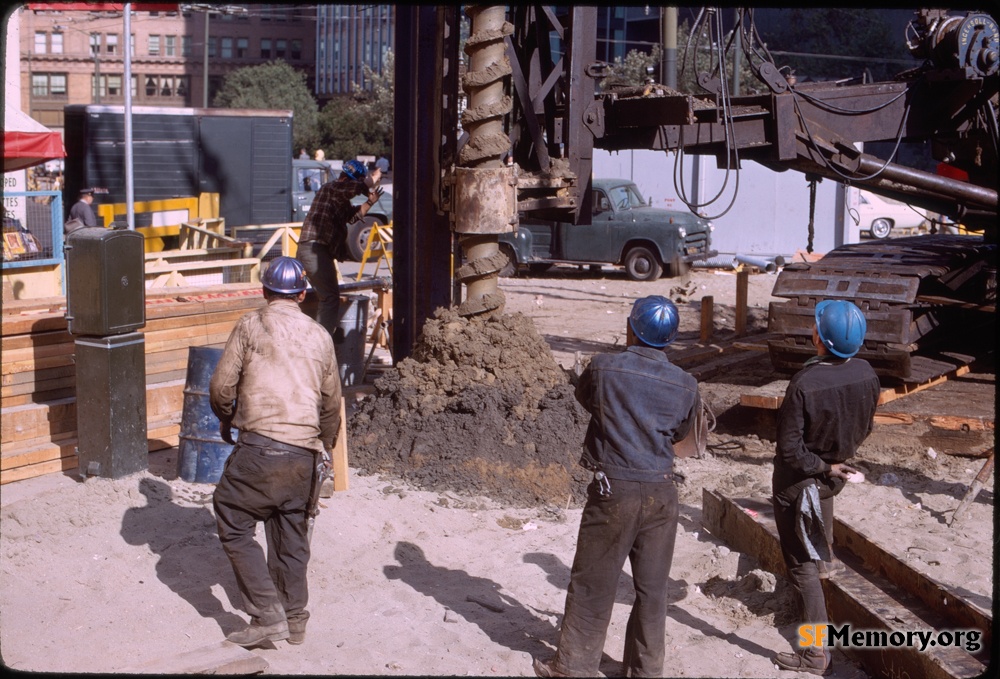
{"x": 361, "y": 123}
{"x": 274, "y": 85}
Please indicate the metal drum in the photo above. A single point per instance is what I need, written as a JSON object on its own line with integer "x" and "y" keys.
{"x": 351, "y": 349}
{"x": 202, "y": 452}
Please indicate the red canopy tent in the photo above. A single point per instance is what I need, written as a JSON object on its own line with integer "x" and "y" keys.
{"x": 26, "y": 142}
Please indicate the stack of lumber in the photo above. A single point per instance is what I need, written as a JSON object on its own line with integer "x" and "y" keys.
{"x": 39, "y": 375}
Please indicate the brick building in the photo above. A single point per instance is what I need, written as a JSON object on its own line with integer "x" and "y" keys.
{"x": 77, "y": 57}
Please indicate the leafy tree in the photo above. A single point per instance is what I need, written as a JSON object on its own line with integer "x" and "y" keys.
{"x": 361, "y": 123}
{"x": 274, "y": 85}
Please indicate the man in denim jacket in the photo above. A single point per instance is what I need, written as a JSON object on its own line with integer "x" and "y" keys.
{"x": 640, "y": 405}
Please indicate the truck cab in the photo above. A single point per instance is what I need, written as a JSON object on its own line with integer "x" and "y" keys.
{"x": 624, "y": 231}
{"x": 307, "y": 177}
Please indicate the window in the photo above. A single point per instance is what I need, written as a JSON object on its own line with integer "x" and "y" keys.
{"x": 170, "y": 45}
{"x": 265, "y": 48}
{"x": 41, "y": 43}
{"x": 57, "y": 43}
{"x": 150, "y": 86}
{"x": 115, "y": 85}
{"x": 135, "y": 85}
{"x": 95, "y": 43}
{"x": 131, "y": 45}
{"x": 154, "y": 45}
{"x": 279, "y": 48}
{"x": 227, "y": 48}
{"x": 211, "y": 47}
{"x": 296, "y": 49}
{"x": 48, "y": 84}
{"x": 242, "y": 47}
{"x": 185, "y": 45}
{"x": 111, "y": 43}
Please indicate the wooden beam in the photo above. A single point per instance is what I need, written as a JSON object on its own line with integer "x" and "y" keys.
{"x": 219, "y": 658}
{"x": 707, "y": 318}
{"x": 742, "y": 285}
{"x": 339, "y": 454}
{"x": 867, "y": 602}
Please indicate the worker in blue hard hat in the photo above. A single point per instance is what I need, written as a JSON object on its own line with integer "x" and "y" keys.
{"x": 640, "y": 404}
{"x": 278, "y": 383}
{"x": 827, "y": 412}
{"x": 324, "y": 234}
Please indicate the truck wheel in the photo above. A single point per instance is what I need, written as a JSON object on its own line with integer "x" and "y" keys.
{"x": 642, "y": 265}
{"x": 509, "y": 269}
{"x": 357, "y": 236}
{"x": 881, "y": 228}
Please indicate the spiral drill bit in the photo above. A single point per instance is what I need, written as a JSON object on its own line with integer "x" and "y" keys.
{"x": 486, "y": 202}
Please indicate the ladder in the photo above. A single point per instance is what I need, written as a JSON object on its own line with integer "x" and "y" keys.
{"x": 379, "y": 246}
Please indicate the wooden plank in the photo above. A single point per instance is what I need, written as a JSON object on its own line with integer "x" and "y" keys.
{"x": 712, "y": 368}
{"x": 945, "y": 604}
{"x": 339, "y": 453}
{"x": 707, "y": 318}
{"x": 888, "y": 395}
{"x": 219, "y": 658}
{"x": 867, "y": 602}
{"x": 742, "y": 284}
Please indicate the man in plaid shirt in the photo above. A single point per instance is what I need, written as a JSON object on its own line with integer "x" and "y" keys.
{"x": 324, "y": 234}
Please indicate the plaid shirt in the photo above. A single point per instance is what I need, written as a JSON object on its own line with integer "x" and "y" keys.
{"x": 330, "y": 213}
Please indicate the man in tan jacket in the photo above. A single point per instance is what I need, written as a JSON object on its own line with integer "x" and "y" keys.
{"x": 278, "y": 383}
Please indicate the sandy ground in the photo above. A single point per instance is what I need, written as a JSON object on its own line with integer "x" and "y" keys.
{"x": 103, "y": 575}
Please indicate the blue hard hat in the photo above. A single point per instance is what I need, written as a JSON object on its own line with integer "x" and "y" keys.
{"x": 355, "y": 169}
{"x": 654, "y": 320}
{"x": 285, "y": 276}
{"x": 841, "y": 326}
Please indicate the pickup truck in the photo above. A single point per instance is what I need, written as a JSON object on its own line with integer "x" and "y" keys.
{"x": 309, "y": 175}
{"x": 625, "y": 231}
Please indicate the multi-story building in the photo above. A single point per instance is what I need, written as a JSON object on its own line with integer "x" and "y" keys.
{"x": 77, "y": 57}
{"x": 348, "y": 38}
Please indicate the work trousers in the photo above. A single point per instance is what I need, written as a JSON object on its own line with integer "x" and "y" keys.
{"x": 263, "y": 484}
{"x": 638, "y": 521}
{"x": 318, "y": 263}
{"x": 802, "y": 570}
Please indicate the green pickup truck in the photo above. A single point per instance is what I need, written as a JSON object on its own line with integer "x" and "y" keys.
{"x": 625, "y": 231}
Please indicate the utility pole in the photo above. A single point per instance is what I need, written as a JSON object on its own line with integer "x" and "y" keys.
{"x": 668, "y": 64}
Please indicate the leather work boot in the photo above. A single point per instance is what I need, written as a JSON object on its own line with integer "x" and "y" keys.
{"x": 545, "y": 669}
{"x": 828, "y": 568}
{"x": 296, "y": 632}
{"x": 254, "y": 635}
{"x": 811, "y": 660}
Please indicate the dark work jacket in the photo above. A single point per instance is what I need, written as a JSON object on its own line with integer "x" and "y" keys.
{"x": 827, "y": 412}
{"x": 640, "y": 405}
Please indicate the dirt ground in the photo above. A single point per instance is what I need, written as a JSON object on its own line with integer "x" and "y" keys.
{"x": 450, "y": 553}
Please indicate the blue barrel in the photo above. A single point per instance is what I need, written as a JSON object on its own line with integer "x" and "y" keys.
{"x": 351, "y": 349}
{"x": 201, "y": 452}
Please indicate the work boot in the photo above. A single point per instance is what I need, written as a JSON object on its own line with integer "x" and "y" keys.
{"x": 254, "y": 635}
{"x": 828, "y": 568}
{"x": 545, "y": 669}
{"x": 812, "y": 660}
{"x": 296, "y": 631}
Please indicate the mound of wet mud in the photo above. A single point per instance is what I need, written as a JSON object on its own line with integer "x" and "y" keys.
{"x": 480, "y": 408}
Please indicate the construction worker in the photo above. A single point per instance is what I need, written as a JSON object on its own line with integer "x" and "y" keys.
{"x": 827, "y": 412}
{"x": 324, "y": 234}
{"x": 278, "y": 383}
{"x": 640, "y": 405}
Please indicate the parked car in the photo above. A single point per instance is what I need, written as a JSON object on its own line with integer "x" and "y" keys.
{"x": 625, "y": 231}
{"x": 878, "y": 215}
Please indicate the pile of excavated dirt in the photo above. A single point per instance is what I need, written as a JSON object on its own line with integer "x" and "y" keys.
{"x": 480, "y": 408}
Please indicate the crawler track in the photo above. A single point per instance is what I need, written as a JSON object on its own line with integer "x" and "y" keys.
{"x": 926, "y": 298}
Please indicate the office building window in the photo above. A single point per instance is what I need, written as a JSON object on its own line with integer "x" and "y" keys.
{"x": 111, "y": 43}
{"x": 265, "y": 48}
{"x": 185, "y": 45}
{"x": 163, "y": 86}
{"x": 227, "y": 48}
{"x": 95, "y": 43}
{"x": 115, "y": 85}
{"x": 211, "y": 47}
{"x": 296, "y": 52}
{"x": 41, "y": 42}
{"x": 154, "y": 45}
{"x": 57, "y": 43}
{"x": 280, "y": 46}
{"x": 170, "y": 45}
{"x": 131, "y": 45}
{"x": 135, "y": 85}
{"x": 242, "y": 47}
{"x": 48, "y": 84}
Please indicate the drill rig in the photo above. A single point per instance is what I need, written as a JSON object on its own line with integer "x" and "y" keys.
{"x": 527, "y": 148}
